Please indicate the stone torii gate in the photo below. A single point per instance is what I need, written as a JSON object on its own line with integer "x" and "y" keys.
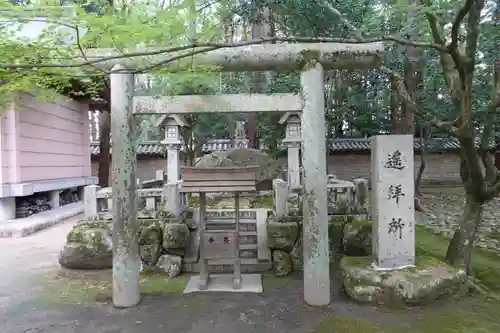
{"x": 311, "y": 59}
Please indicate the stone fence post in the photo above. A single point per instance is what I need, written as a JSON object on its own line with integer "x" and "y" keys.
{"x": 361, "y": 199}
{"x": 160, "y": 175}
{"x": 90, "y": 208}
{"x": 280, "y": 188}
{"x": 172, "y": 198}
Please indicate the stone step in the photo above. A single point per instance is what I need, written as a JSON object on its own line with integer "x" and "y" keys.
{"x": 248, "y": 246}
{"x": 227, "y": 220}
{"x": 250, "y": 227}
{"x": 248, "y": 238}
{"x": 248, "y": 254}
{"x": 226, "y": 266}
{"x": 248, "y": 251}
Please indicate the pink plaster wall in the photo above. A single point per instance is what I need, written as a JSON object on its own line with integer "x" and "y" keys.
{"x": 8, "y": 153}
{"x": 48, "y": 141}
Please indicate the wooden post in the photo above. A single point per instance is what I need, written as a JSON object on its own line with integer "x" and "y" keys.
{"x": 237, "y": 260}
{"x": 126, "y": 260}
{"x": 315, "y": 224}
{"x": 204, "y": 276}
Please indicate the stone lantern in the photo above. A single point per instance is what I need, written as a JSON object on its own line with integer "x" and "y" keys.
{"x": 292, "y": 142}
{"x": 172, "y": 125}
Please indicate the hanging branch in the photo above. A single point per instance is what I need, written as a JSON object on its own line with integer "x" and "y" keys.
{"x": 397, "y": 79}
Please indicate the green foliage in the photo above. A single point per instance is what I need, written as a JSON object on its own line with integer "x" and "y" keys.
{"x": 357, "y": 102}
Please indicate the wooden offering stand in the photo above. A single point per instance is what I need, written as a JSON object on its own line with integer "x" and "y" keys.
{"x": 218, "y": 244}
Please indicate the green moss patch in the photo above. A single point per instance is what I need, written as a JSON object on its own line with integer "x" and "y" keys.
{"x": 351, "y": 325}
{"x": 270, "y": 281}
{"x": 474, "y": 316}
{"x": 66, "y": 287}
{"x": 262, "y": 202}
{"x": 362, "y": 223}
{"x": 494, "y": 235}
{"x": 485, "y": 264}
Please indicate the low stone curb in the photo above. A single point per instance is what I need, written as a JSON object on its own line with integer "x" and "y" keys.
{"x": 27, "y": 226}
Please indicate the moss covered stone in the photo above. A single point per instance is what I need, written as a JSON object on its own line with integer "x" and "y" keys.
{"x": 87, "y": 247}
{"x": 175, "y": 236}
{"x": 357, "y": 238}
{"x": 282, "y": 264}
{"x": 430, "y": 280}
{"x": 151, "y": 244}
{"x": 297, "y": 255}
{"x": 170, "y": 264}
{"x": 282, "y": 236}
{"x": 335, "y": 228}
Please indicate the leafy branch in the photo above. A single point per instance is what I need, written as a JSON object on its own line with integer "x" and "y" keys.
{"x": 398, "y": 80}
{"x": 208, "y": 46}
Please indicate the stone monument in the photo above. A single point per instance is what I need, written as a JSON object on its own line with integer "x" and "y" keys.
{"x": 390, "y": 275}
{"x": 393, "y": 192}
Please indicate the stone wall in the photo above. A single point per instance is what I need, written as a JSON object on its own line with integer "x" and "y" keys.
{"x": 442, "y": 168}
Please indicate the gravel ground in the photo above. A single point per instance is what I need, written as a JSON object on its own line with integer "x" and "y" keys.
{"x": 280, "y": 309}
{"x": 447, "y": 205}
{"x": 24, "y": 306}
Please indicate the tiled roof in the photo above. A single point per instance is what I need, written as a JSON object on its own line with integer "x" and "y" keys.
{"x": 155, "y": 148}
{"x": 344, "y": 145}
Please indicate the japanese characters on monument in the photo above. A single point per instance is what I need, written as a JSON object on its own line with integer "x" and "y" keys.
{"x": 393, "y": 191}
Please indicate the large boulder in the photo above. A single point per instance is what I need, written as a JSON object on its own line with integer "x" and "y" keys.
{"x": 88, "y": 246}
{"x": 151, "y": 244}
{"x": 429, "y": 281}
{"x": 268, "y": 167}
{"x": 175, "y": 237}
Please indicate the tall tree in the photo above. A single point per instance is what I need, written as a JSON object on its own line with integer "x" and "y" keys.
{"x": 458, "y": 66}
{"x": 261, "y": 28}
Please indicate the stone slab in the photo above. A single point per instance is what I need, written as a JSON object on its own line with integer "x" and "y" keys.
{"x": 27, "y": 226}
{"x": 250, "y": 283}
{"x": 219, "y": 266}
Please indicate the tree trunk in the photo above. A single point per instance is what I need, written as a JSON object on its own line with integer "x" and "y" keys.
{"x": 198, "y": 152}
{"x": 104, "y": 147}
{"x": 424, "y": 136}
{"x": 420, "y": 173}
{"x": 496, "y": 87}
{"x": 395, "y": 109}
{"x": 459, "y": 252}
{"x": 261, "y": 28}
{"x": 93, "y": 126}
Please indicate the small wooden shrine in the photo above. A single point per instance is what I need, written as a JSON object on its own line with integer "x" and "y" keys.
{"x": 219, "y": 244}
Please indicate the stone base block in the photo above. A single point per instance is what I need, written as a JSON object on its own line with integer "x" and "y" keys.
{"x": 250, "y": 283}
{"x": 429, "y": 281}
